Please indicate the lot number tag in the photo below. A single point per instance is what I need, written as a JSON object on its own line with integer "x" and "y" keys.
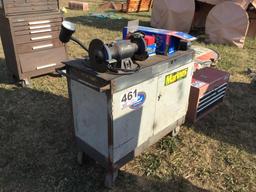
{"x": 133, "y": 99}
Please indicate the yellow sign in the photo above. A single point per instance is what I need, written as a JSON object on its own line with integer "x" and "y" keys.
{"x": 174, "y": 77}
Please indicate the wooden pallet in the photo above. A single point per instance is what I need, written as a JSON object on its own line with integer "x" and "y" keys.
{"x": 138, "y": 5}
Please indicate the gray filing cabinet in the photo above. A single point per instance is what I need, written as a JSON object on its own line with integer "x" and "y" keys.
{"x": 116, "y": 117}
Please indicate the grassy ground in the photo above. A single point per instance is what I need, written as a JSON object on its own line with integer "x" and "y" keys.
{"x": 37, "y": 152}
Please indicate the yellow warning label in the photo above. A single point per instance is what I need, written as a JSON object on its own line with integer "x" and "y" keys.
{"x": 174, "y": 77}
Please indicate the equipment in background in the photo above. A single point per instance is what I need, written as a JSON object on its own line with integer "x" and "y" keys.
{"x": 78, "y": 5}
{"x": 29, "y": 32}
{"x": 118, "y": 56}
{"x": 173, "y": 14}
{"x": 116, "y": 117}
{"x": 207, "y": 92}
{"x": 151, "y": 44}
{"x": 205, "y": 57}
{"x": 227, "y": 23}
{"x": 138, "y": 6}
{"x": 167, "y": 42}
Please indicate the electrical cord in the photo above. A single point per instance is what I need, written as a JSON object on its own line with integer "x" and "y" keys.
{"x": 79, "y": 43}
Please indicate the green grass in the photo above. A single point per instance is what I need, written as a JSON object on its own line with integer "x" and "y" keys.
{"x": 37, "y": 151}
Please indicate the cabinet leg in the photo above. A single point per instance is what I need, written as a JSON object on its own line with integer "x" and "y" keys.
{"x": 83, "y": 158}
{"x": 176, "y": 131}
{"x": 12, "y": 78}
{"x": 110, "y": 178}
{"x": 24, "y": 83}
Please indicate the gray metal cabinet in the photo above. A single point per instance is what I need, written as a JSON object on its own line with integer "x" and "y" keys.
{"x": 116, "y": 117}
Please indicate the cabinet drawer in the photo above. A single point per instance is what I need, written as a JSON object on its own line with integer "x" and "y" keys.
{"x": 36, "y": 37}
{"x": 38, "y": 46}
{"x": 42, "y": 60}
{"x": 36, "y": 21}
{"x": 32, "y": 28}
{"x": 37, "y": 31}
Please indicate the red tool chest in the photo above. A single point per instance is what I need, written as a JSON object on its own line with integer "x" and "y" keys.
{"x": 208, "y": 90}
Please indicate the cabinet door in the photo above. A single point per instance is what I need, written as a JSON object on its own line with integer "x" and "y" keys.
{"x": 172, "y": 96}
{"x": 133, "y": 117}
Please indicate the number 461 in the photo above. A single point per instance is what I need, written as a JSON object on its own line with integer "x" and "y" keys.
{"x": 129, "y": 96}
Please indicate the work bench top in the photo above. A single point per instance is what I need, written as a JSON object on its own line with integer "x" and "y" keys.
{"x": 81, "y": 70}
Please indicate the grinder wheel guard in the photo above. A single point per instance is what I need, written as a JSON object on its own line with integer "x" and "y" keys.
{"x": 98, "y": 55}
{"x": 118, "y": 56}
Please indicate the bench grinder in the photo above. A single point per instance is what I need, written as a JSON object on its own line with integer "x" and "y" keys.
{"x": 118, "y": 56}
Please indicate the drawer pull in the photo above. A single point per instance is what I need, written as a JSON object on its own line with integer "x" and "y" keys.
{"x": 39, "y": 27}
{"x": 42, "y": 37}
{"x": 42, "y": 46}
{"x": 46, "y": 66}
{"x": 39, "y": 22}
{"x": 40, "y": 31}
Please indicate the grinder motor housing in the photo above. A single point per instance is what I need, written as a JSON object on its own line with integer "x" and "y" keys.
{"x": 118, "y": 56}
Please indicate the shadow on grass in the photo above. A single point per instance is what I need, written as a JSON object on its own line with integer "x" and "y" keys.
{"x": 234, "y": 121}
{"x": 38, "y": 152}
{"x": 129, "y": 182}
{"x": 4, "y": 78}
{"x": 103, "y": 23}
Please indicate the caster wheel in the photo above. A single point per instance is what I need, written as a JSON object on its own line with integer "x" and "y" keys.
{"x": 110, "y": 179}
{"x": 24, "y": 83}
{"x": 176, "y": 131}
{"x": 55, "y": 74}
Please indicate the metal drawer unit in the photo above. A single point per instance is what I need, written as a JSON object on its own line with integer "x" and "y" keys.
{"x": 18, "y": 7}
{"x": 116, "y": 117}
{"x": 31, "y": 44}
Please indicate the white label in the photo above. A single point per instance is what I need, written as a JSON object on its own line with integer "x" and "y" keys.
{"x": 198, "y": 84}
{"x": 133, "y": 99}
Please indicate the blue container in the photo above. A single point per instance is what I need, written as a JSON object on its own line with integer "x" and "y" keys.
{"x": 167, "y": 42}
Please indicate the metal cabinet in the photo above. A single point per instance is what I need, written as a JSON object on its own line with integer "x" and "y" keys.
{"x": 30, "y": 40}
{"x": 172, "y": 97}
{"x": 116, "y": 117}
